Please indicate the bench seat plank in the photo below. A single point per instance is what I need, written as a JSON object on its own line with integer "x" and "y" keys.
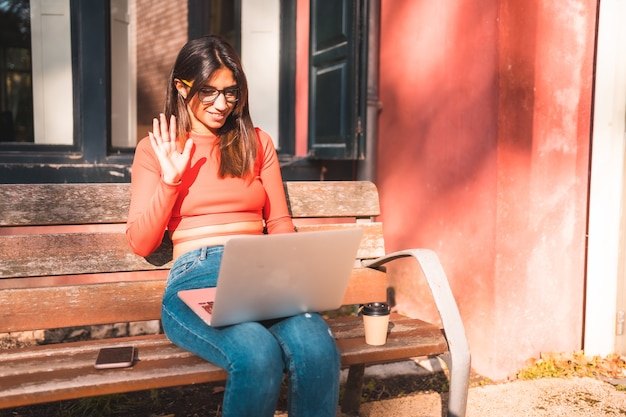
{"x": 406, "y": 338}
{"x": 65, "y": 371}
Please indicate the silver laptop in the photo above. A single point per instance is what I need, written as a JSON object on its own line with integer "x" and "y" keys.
{"x": 274, "y": 276}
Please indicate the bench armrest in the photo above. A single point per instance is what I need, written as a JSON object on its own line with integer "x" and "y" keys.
{"x": 458, "y": 346}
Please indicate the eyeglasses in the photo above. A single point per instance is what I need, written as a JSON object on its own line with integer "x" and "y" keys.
{"x": 208, "y": 95}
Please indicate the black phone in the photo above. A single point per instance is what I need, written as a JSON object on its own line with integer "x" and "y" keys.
{"x": 116, "y": 357}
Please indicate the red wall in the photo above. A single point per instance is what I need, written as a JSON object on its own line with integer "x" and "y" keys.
{"x": 483, "y": 156}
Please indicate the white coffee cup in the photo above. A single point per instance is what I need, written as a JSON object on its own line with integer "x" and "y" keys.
{"x": 376, "y": 322}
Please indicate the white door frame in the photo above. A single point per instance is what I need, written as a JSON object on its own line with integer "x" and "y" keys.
{"x": 606, "y": 196}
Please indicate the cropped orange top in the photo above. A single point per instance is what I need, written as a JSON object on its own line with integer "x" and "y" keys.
{"x": 202, "y": 198}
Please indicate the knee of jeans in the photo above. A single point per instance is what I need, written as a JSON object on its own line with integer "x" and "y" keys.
{"x": 317, "y": 349}
{"x": 261, "y": 357}
{"x": 321, "y": 353}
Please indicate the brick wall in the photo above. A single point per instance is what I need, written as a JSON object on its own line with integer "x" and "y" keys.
{"x": 161, "y": 32}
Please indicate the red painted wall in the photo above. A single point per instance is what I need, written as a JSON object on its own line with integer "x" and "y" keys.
{"x": 483, "y": 156}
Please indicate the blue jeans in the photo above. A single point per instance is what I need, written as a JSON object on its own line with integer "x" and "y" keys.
{"x": 255, "y": 355}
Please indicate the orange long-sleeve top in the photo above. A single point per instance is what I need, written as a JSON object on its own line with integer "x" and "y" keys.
{"x": 202, "y": 198}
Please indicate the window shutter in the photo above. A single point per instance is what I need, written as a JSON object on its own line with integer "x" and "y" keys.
{"x": 337, "y": 79}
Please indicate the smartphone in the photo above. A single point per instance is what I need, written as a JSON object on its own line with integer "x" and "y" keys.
{"x": 117, "y": 357}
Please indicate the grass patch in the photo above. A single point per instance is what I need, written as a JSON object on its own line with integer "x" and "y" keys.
{"x": 576, "y": 364}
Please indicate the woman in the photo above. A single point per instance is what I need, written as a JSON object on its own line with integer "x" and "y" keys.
{"x": 206, "y": 174}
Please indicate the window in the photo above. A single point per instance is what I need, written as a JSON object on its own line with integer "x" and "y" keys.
{"x": 59, "y": 113}
{"x": 36, "y": 91}
{"x": 146, "y": 37}
{"x": 82, "y": 104}
{"x": 16, "y": 106}
{"x": 337, "y": 79}
{"x": 81, "y": 80}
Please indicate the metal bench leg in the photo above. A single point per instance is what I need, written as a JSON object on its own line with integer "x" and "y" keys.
{"x": 459, "y": 385}
{"x": 460, "y": 361}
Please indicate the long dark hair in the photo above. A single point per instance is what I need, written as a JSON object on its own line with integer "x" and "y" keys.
{"x": 196, "y": 62}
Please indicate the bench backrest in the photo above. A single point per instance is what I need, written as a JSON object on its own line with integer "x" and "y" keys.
{"x": 65, "y": 260}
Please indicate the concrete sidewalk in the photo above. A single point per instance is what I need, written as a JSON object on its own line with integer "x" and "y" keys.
{"x": 584, "y": 397}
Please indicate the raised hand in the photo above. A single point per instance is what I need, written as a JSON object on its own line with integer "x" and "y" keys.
{"x": 163, "y": 140}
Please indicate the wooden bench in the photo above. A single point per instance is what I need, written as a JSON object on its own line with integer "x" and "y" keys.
{"x": 65, "y": 262}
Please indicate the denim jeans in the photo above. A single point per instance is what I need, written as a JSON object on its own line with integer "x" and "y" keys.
{"x": 255, "y": 355}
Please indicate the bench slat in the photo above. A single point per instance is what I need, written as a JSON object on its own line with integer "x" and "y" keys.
{"x": 43, "y": 204}
{"x": 407, "y": 338}
{"x": 75, "y": 253}
{"x": 70, "y": 372}
{"x": 79, "y": 304}
{"x": 372, "y": 243}
{"x": 95, "y": 252}
{"x": 50, "y": 204}
{"x": 65, "y": 371}
{"x": 332, "y": 199}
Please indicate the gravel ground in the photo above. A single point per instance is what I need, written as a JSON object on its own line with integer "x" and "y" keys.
{"x": 549, "y": 397}
{"x": 584, "y": 397}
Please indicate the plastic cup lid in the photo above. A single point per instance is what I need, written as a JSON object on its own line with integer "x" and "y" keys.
{"x": 375, "y": 309}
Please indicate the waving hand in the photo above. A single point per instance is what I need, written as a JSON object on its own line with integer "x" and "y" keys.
{"x": 163, "y": 140}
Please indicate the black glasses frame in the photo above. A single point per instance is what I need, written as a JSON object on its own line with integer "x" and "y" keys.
{"x": 203, "y": 95}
